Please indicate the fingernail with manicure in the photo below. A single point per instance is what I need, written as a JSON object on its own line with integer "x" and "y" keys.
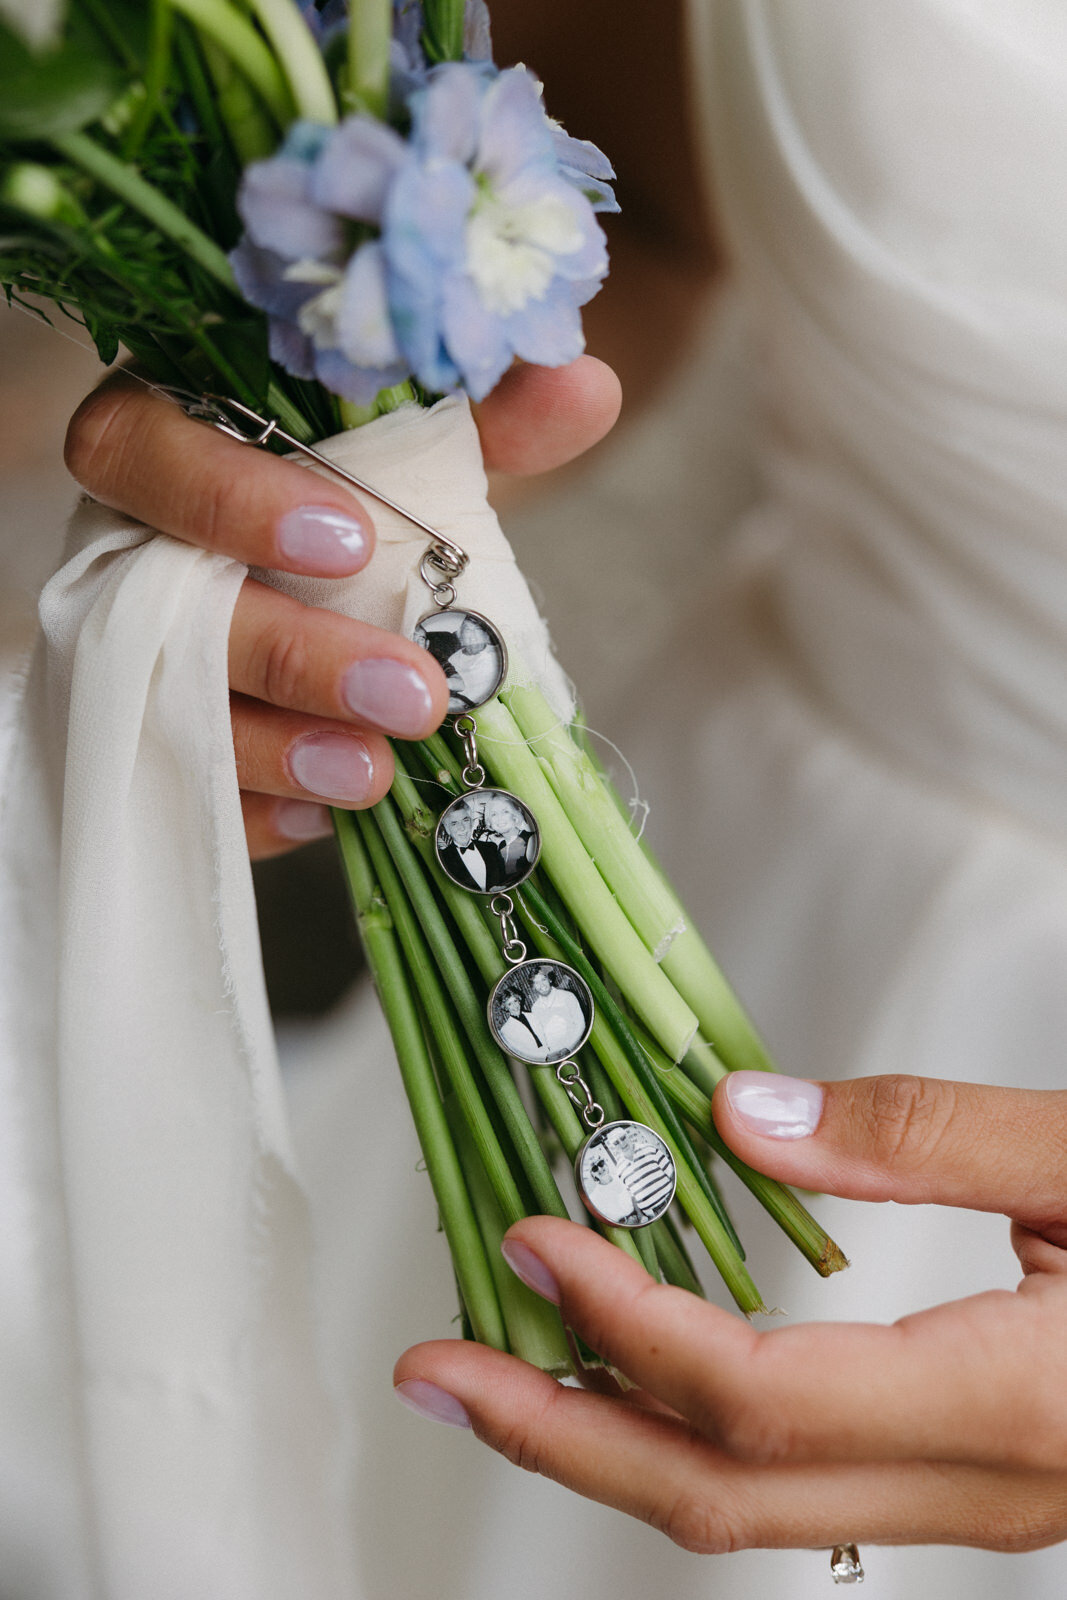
{"x": 430, "y": 1401}
{"x": 531, "y": 1269}
{"x": 776, "y": 1107}
{"x": 390, "y": 694}
{"x": 336, "y": 765}
{"x": 300, "y": 819}
{"x": 324, "y": 541}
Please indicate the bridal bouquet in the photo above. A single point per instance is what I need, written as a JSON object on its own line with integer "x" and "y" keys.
{"x": 300, "y": 218}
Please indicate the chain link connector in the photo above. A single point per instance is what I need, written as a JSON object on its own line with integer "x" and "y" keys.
{"x": 466, "y": 728}
{"x": 591, "y": 1113}
{"x": 503, "y": 906}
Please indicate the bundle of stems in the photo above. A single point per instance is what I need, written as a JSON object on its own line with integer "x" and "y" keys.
{"x": 667, "y": 1026}
{"x": 122, "y": 148}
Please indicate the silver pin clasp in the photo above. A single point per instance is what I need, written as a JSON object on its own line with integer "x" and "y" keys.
{"x": 240, "y": 422}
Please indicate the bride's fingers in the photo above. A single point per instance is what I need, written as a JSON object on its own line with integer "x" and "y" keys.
{"x": 274, "y": 826}
{"x": 659, "y": 1470}
{"x": 140, "y": 453}
{"x": 287, "y": 753}
{"x": 981, "y": 1380}
{"x": 307, "y": 659}
{"x": 914, "y": 1140}
{"x": 542, "y": 417}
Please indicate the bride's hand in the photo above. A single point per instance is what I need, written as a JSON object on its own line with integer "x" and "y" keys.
{"x": 950, "y": 1427}
{"x": 313, "y": 693}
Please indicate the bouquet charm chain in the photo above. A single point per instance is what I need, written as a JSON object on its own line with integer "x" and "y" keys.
{"x": 488, "y": 842}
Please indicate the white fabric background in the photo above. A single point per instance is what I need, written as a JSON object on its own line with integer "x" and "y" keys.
{"x": 852, "y": 701}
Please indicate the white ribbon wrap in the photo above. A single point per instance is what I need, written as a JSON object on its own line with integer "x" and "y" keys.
{"x": 160, "y": 1327}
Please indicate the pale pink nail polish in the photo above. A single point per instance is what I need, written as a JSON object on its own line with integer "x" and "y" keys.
{"x": 301, "y": 819}
{"x": 389, "y": 694}
{"x": 433, "y": 1402}
{"x": 775, "y": 1107}
{"x": 322, "y": 540}
{"x": 531, "y": 1269}
{"x": 337, "y": 766}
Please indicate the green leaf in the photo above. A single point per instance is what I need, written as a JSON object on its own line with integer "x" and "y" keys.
{"x": 57, "y": 91}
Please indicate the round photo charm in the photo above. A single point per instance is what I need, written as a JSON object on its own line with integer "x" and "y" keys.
{"x": 487, "y": 841}
{"x": 469, "y": 651}
{"x": 625, "y": 1174}
{"x": 541, "y": 1011}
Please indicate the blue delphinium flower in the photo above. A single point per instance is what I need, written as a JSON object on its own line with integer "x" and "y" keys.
{"x": 309, "y": 257}
{"x": 492, "y": 247}
{"x": 443, "y": 256}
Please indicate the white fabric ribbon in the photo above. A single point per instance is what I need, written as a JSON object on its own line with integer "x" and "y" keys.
{"x": 160, "y": 1310}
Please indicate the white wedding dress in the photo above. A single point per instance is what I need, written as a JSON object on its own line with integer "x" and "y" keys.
{"x": 819, "y": 599}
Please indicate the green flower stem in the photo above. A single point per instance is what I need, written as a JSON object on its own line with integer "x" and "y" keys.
{"x": 300, "y": 59}
{"x": 442, "y": 1164}
{"x": 143, "y": 197}
{"x": 703, "y": 1066}
{"x": 471, "y": 1012}
{"x": 636, "y": 1085}
{"x": 473, "y": 926}
{"x": 575, "y": 876}
{"x": 641, "y": 889}
{"x": 385, "y": 401}
{"x": 674, "y": 1259}
{"x": 157, "y": 65}
{"x": 619, "y": 1052}
{"x": 293, "y": 421}
{"x": 250, "y": 130}
{"x": 443, "y": 32}
{"x": 535, "y": 1332}
{"x": 440, "y": 1018}
{"x": 235, "y": 35}
{"x": 778, "y": 1201}
{"x": 370, "y": 32}
{"x": 463, "y": 908}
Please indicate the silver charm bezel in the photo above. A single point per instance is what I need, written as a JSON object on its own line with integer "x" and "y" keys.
{"x": 599, "y": 1137}
{"x": 552, "y": 1058}
{"x": 472, "y": 796}
{"x": 494, "y": 633}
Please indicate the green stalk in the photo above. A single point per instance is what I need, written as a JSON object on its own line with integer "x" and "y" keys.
{"x": 535, "y": 1331}
{"x": 471, "y": 1012}
{"x": 143, "y": 197}
{"x": 292, "y": 420}
{"x": 300, "y": 59}
{"x": 636, "y": 1084}
{"x": 442, "y": 1164}
{"x": 484, "y": 947}
{"x": 370, "y": 32}
{"x": 590, "y": 901}
{"x": 385, "y": 401}
{"x": 614, "y": 1044}
{"x": 776, "y": 1199}
{"x": 440, "y": 1019}
{"x": 462, "y": 906}
{"x": 673, "y": 1257}
{"x": 442, "y": 36}
{"x": 157, "y": 66}
{"x": 641, "y": 889}
{"x": 237, "y": 38}
{"x": 250, "y": 130}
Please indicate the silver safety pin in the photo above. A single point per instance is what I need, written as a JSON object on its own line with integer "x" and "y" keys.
{"x": 240, "y": 422}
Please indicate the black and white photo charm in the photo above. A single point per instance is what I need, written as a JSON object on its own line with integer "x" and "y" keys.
{"x": 541, "y": 1011}
{"x": 487, "y": 841}
{"x": 625, "y": 1174}
{"x": 470, "y": 652}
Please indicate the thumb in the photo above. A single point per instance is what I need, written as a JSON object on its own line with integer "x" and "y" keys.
{"x": 914, "y": 1140}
